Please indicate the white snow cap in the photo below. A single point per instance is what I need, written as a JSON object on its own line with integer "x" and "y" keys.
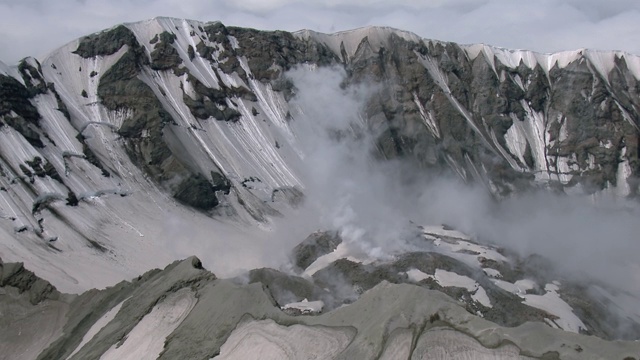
{"x": 305, "y": 306}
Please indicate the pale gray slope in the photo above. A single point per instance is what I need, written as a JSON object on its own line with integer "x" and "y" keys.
{"x": 230, "y": 320}
{"x": 506, "y": 119}
{"x": 27, "y": 329}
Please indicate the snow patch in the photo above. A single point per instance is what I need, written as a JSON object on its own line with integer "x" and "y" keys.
{"x": 553, "y": 304}
{"x": 341, "y": 252}
{"x": 451, "y": 279}
{"x": 520, "y": 287}
{"x": 466, "y": 251}
{"x": 492, "y": 273}
{"x": 305, "y": 306}
{"x": 234, "y": 42}
{"x": 416, "y": 275}
{"x": 602, "y": 61}
{"x": 622, "y": 174}
{"x": 516, "y": 140}
{"x": 97, "y": 326}
{"x": 427, "y": 117}
{"x": 534, "y": 130}
{"x": 550, "y": 302}
{"x": 146, "y": 339}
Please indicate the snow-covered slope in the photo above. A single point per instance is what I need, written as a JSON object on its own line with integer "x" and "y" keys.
{"x": 125, "y": 223}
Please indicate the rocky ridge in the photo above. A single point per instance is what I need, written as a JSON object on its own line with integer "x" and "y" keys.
{"x": 212, "y": 313}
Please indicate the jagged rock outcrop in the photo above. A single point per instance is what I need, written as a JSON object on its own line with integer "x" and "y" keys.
{"x": 315, "y": 245}
{"x": 26, "y": 282}
{"x": 185, "y": 311}
{"x": 502, "y": 116}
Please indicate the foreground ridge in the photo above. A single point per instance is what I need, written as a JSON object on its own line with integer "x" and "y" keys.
{"x": 194, "y": 315}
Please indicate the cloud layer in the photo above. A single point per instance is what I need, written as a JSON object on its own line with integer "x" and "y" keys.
{"x": 35, "y": 27}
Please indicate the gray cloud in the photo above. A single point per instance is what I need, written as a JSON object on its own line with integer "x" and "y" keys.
{"x": 35, "y": 27}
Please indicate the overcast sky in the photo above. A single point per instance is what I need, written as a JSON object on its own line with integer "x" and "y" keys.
{"x": 35, "y": 27}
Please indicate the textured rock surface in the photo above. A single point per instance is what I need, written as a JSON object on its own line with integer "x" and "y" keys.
{"x": 314, "y": 246}
{"x": 221, "y": 320}
{"x": 26, "y": 282}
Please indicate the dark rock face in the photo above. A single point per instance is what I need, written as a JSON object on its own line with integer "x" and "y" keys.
{"x": 212, "y": 102}
{"x": 285, "y": 288}
{"x": 42, "y": 170}
{"x": 290, "y": 195}
{"x": 91, "y": 156}
{"x": 197, "y": 192}
{"x": 120, "y": 88}
{"x": 106, "y": 42}
{"x": 14, "y": 97}
{"x": 32, "y": 76}
{"x": 25, "y": 129}
{"x": 165, "y": 56}
{"x": 220, "y": 182}
{"x": 315, "y": 245}
{"x": 264, "y": 49}
{"x": 472, "y": 83}
{"x": 15, "y": 275}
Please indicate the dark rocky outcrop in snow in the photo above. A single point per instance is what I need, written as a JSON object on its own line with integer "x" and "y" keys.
{"x": 315, "y": 245}
{"x": 26, "y": 282}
